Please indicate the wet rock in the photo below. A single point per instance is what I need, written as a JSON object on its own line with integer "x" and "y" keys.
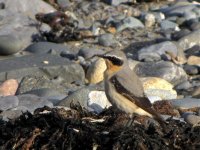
{"x": 194, "y": 60}
{"x": 8, "y": 102}
{"x": 162, "y": 69}
{"x": 190, "y": 40}
{"x": 10, "y": 44}
{"x": 190, "y": 69}
{"x": 158, "y": 51}
{"x": 129, "y": 22}
{"x": 45, "y": 47}
{"x": 95, "y": 72}
{"x": 191, "y": 118}
{"x": 33, "y": 102}
{"x": 41, "y": 65}
{"x": 63, "y": 4}
{"x": 158, "y": 88}
{"x": 8, "y": 87}
{"x": 185, "y": 103}
{"x": 106, "y": 40}
{"x": 169, "y": 25}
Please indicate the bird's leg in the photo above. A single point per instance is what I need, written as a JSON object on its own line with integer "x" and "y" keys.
{"x": 131, "y": 120}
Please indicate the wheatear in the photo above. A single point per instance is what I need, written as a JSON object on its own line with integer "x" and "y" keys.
{"x": 124, "y": 89}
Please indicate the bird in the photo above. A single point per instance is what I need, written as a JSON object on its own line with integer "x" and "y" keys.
{"x": 124, "y": 89}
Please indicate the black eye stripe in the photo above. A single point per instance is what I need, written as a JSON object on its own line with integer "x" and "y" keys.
{"x": 115, "y": 60}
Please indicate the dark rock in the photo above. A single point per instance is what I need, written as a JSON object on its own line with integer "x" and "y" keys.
{"x": 183, "y": 86}
{"x": 106, "y": 40}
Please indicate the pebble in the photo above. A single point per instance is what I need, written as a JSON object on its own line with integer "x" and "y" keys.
{"x": 194, "y": 60}
{"x": 115, "y": 2}
{"x": 149, "y": 20}
{"x": 191, "y": 69}
{"x": 95, "y": 72}
{"x": 191, "y": 119}
{"x": 162, "y": 69}
{"x": 157, "y": 87}
{"x": 10, "y": 44}
{"x": 8, "y": 102}
{"x": 106, "y": 40}
{"x": 10, "y": 114}
{"x": 129, "y": 22}
{"x": 8, "y": 87}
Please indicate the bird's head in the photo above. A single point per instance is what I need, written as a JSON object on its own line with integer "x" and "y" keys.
{"x": 114, "y": 59}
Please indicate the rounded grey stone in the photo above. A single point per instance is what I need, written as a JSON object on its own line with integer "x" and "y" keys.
{"x": 106, "y": 40}
{"x": 8, "y": 102}
{"x": 10, "y": 114}
{"x": 9, "y": 45}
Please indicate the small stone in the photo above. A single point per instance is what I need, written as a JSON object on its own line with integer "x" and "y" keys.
{"x": 167, "y": 25}
{"x": 191, "y": 119}
{"x": 89, "y": 52}
{"x": 129, "y": 22}
{"x": 95, "y": 72}
{"x": 149, "y": 20}
{"x": 10, "y": 114}
{"x": 106, "y": 40}
{"x": 9, "y": 45}
{"x": 194, "y": 60}
{"x": 8, "y": 87}
{"x": 158, "y": 87}
{"x": 191, "y": 70}
{"x": 8, "y": 102}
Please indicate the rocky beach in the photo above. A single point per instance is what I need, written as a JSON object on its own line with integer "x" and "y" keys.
{"x": 51, "y": 87}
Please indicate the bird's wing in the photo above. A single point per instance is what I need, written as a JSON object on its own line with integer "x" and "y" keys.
{"x": 130, "y": 87}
